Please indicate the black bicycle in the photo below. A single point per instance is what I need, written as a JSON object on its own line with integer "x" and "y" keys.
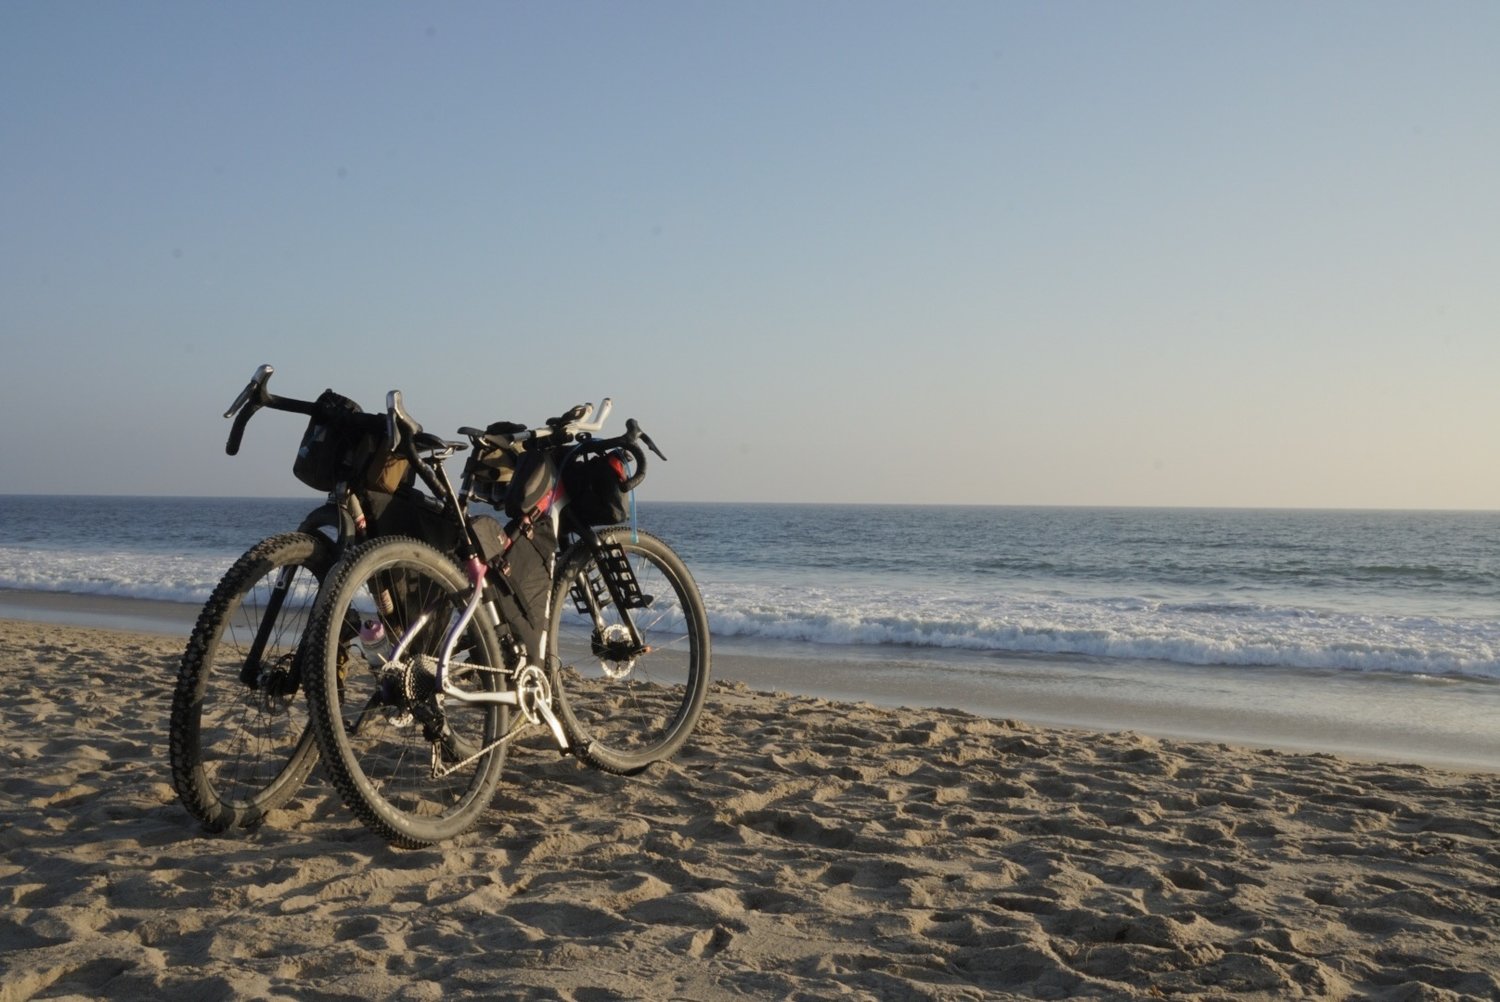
{"x": 239, "y": 737}
{"x": 422, "y": 669}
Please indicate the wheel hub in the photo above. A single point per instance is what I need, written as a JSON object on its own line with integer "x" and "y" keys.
{"x": 276, "y": 684}
{"x": 615, "y": 650}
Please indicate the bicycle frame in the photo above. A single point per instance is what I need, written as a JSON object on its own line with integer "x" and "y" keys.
{"x": 418, "y": 652}
{"x": 531, "y": 692}
{"x": 531, "y": 695}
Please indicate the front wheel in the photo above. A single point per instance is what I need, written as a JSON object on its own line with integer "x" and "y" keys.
{"x": 240, "y": 744}
{"x": 628, "y": 650}
{"x": 415, "y": 764}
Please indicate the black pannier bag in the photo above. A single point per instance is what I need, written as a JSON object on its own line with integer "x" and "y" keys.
{"x": 593, "y": 484}
{"x": 524, "y": 575}
{"x": 334, "y": 449}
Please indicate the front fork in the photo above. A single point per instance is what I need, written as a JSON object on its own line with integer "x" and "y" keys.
{"x": 344, "y": 511}
{"x": 250, "y": 671}
{"x": 616, "y": 584}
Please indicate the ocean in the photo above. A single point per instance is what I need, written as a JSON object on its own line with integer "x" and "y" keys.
{"x": 1245, "y": 598}
{"x": 1368, "y": 591}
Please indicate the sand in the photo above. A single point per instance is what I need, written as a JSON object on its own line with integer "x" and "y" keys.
{"x": 799, "y": 848}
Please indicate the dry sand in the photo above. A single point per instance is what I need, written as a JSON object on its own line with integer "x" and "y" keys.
{"x": 798, "y": 849}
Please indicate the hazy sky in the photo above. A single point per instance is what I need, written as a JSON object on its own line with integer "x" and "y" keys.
{"x": 1000, "y": 252}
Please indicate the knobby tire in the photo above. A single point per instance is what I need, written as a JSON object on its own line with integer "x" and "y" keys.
{"x": 376, "y": 723}
{"x": 239, "y": 751}
{"x": 624, "y": 708}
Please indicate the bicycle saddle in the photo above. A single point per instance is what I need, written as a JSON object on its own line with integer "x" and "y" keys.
{"x": 426, "y": 441}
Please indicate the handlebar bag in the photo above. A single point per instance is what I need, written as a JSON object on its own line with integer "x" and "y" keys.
{"x": 532, "y": 482}
{"x": 336, "y": 447}
{"x": 593, "y": 485}
{"x": 330, "y": 444}
{"x": 388, "y": 472}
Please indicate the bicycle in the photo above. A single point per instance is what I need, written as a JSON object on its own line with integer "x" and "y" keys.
{"x": 240, "y": 744}
{"x": 596, "y": 633}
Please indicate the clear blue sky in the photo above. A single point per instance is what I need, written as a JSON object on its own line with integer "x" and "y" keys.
{"x": 997, "y": 252}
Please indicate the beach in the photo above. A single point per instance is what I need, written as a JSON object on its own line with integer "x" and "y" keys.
{"x": 798, "y": 848}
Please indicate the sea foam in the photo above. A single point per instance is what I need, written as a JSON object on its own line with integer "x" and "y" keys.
{"x": 1407, "y": 592}
{"x": 1116, "y": 627}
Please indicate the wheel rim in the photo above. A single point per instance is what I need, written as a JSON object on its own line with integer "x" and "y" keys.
{"x": 250, "y": 739}
{"x": 391, "y": 714}
{"x": 628, "y": 701}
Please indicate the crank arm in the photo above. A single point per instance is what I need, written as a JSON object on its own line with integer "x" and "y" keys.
{"x": 507, "y": 698}
{"x": 544, "y": 708}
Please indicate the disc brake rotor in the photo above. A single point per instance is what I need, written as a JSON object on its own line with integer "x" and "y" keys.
{"x": 615, "y": 650}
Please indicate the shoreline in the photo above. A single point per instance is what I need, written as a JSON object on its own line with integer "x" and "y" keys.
{"x": 1361, "y": 716}
{"x": 1443, "y": 723}
{"x": 105, "y": 612}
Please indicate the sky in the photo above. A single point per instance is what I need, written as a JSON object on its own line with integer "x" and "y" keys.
{"x": 1081, "y": 253}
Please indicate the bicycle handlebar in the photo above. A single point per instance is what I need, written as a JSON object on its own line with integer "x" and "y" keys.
{"x": 401, "y": 428}
{"x": 630, "y": 442}
{"x": 588, "y": 427}
{"x": 579, "y": 422}
{"x": 255, "y": 386}
{"x": 403, "y": 434}
{"x": 255, "y": 396}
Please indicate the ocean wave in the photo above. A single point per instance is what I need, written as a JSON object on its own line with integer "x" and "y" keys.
{"x": 1185, "y": 629}
{"x": 119, "y": 574}
{"x": 1225, "y": 634}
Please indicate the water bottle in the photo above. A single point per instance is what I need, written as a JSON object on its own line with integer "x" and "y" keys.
{"x": 373, "y": 643}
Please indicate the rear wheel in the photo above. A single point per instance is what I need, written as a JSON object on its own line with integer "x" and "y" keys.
{"x": 416, "y": 765}
{"x": 240, "y": 741}
{"x": 628, "y": 683}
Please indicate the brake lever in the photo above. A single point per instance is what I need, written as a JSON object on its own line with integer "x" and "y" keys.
{"x": 635, "y": 431}
{"x": 652, "y": 446}
{"x": 256, "y": 382}
{"x": 251, "y": 399}
{"x": 397, "y": 421}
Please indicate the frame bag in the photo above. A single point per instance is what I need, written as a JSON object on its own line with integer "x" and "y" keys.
{"x": 522, "y": 554}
